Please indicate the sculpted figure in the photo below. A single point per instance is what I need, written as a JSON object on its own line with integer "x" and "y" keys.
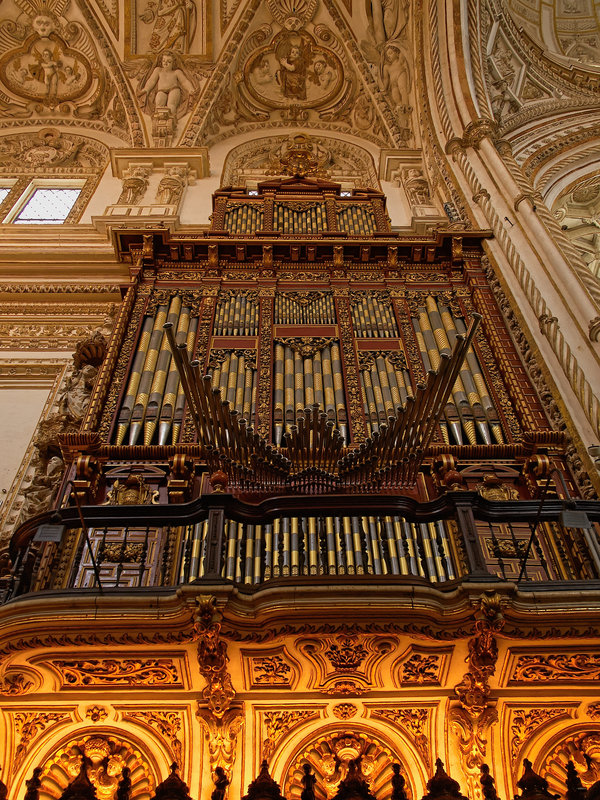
{"x": 389, "y": 19}
{"x": 77, "y": 392}
{"x": 174, "y": 24}
{"x": 396, "y": 75}
{"x": 221, "y": 782}
{"x": 170, "y": 84}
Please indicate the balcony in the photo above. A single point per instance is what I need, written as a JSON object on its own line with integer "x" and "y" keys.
{"x": 330, "y": 540}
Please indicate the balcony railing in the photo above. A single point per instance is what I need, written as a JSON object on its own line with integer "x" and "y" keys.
{"x": 217, "y": 538}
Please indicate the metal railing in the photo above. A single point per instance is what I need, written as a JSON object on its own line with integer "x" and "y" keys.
{"x": 458, "y": 537}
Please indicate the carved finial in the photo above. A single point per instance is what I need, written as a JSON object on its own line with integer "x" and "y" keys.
{"x": 173, "y": 788}
{"x": 263, "y": 786}
{"x": 308, "y": 783}
{"x": 354, "y": 785}
{"x": 221, "y": 782}
{"x": 398, "y": 783}
{"x": 532, "y": 785}
{"x": 124, "y": 787}
{"x": 488, "y": 784}
{"x": 33, "y": 785}
{"x": 441, "y": 785}
{"x": 575, "y": 789}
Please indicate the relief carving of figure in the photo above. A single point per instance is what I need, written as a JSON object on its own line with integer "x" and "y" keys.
{"x": 53, "y": 62}
{"x": 76, "y": 396}
{"x": 395, "y": 75}
{"x": 167, "y": 86}
{"x": 174, "y": 24}
{"x": 293, "y": 54}
{"x": 389, "y": 19}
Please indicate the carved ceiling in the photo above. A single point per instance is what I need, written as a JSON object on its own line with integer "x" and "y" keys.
{"x": 565, "y": 28}
{"x": 149, "y": 72}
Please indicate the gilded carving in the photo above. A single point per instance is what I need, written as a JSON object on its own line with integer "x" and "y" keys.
{"x": 218, "y": 693}
{"x": 344, "y": 710}
{"x": 578, "y": 667}
{"x": 103, "y": 759}
{"x": 421, "y": 669}
{"x": 96, "y": 713}
{"x": 415, "y": 722}
{"x": 270, "y": 671}
{"x": 333, "y": 756}
{"x": 524, "y": 723}
{"x": 28, "y": 726}
{"x": 471, "y": 719}
{"x": 222, "y": 735}
{"x": 167, "y": 723}
{"x": 346, "y": 653}
{"x": 278, "y": 724}
{"x": 118, "y": 672}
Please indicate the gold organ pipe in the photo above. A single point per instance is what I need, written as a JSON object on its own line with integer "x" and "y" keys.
{"x": 180, "y": 401}
{"x": 142, "y": 396}
{"x": 160, "y": 376}
{"x": 134, "y": 380}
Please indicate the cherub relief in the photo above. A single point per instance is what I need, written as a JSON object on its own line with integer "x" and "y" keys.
{"x": 167, "y": 86}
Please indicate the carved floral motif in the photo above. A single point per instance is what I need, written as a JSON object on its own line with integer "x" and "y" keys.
{"x": 28, "y": 726}
{"x": 117, "y": 672}
{"x": 270, "y": 670}
{"x": 344, "y": 710}
{"x": 279, "y": 723}
{"x": 167, "y": 723}
{"x": 524, "y": 723}
{"x": 563, "y": 667}
{"x": 421, "y": 669}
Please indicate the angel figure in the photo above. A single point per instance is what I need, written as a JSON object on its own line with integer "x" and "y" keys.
{"x": 293, "y": 55}
{"x": 167, "y": 86}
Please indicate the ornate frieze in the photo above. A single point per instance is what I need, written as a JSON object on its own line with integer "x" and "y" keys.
{"x": 575, "y": 667}
{"x": 118, "y": 672}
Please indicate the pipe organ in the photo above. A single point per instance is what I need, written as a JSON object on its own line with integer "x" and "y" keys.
{"x": 236, "y": 314}
{"x": 304, "y": 308}
{"x": 306, "y": 322}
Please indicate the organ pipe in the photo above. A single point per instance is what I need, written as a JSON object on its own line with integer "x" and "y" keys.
{"x": 349, "y": 545}
{"x": 309, "y": 308}
{"x": 306, "y": 373}
{"x": 469, "y": 412}
{"x": 372, "y": 315}
{"x": 233, "y": 374}
{"x": 237, "y": 314}
{"x": 154, "y": 397}
{"x": 385, "y": 386}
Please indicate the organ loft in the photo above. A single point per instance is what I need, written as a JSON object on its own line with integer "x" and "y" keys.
{"x": 299, "y": 389}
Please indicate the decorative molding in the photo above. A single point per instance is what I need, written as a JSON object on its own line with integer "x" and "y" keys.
{"x": 127, "y": 672}
{"x": 574, "y": 667}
